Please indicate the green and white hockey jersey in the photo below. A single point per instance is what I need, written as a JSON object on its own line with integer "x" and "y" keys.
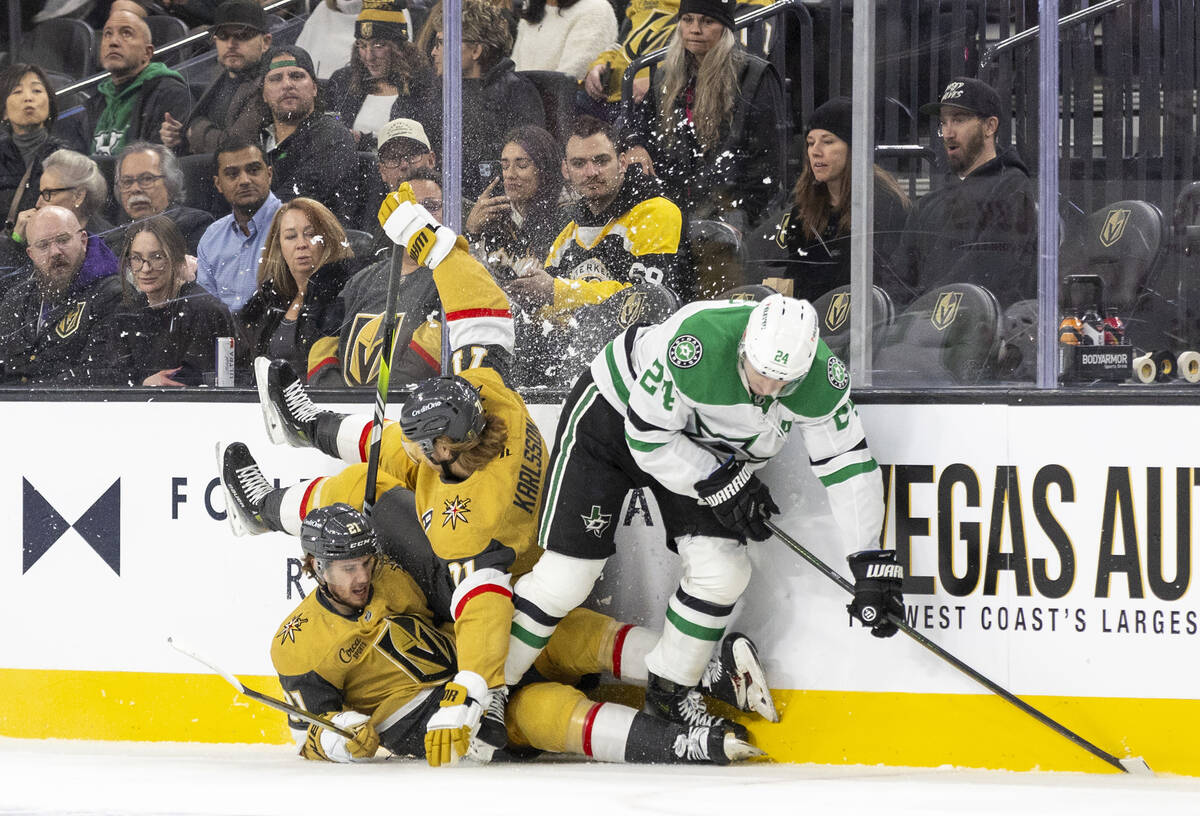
{"x": 687, "y": 409}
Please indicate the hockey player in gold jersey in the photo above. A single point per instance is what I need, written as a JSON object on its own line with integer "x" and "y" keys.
{"x": 364, "y": 651}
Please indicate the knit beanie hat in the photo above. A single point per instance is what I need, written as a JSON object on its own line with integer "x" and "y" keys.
{"x": 833, "y": 116}
{"x": 719, "y": 10}
{"x": 383, "y": 20}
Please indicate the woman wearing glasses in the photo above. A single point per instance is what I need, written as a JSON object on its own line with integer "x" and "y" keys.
{"x": 165, "y": 332}
{"x": 306, "y": 261}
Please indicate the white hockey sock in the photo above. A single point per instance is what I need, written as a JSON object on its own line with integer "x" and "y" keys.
{"x": 693, "y": 627}
{"x": 606, "y": 730}
{"x": 630, "y": 648}
{"x": 542, "y": 598}
{"x": 293, "y": 502}
{"x": 354, "y": 438}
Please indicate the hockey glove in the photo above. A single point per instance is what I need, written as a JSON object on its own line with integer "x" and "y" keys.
{"x": 336, "y": 748}
{"x": 740, "y": 501}
{"x": 411, "y": 226}
{"x": 492, "y": 734}
{"x": 878, "y": 583}
{"x": 449, "y": 731}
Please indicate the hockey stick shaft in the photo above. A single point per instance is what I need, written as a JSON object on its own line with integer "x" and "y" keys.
{"x": 281, "y": 705}
{"x": 992, "y": 686}
{"x": 385, "y": 376}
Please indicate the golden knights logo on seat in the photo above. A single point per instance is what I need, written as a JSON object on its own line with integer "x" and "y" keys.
{"x": 365, "y": 348}
{"x": 631, "y": 309}
{"x": 1114, "y": 227}
{"x": 71, "y": 320}
{"x": 838, "y": 311}
{"x": 945, "y": 310}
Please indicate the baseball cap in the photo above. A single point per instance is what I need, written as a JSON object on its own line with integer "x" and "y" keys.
{"x": 403, "y": 129}
{"x": 240, "y": 13}
{"x": 969, "y": 94}
{"x": 291, "y": 55}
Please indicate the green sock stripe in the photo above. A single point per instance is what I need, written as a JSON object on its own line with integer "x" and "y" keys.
{"x": 529, "y": 638}
{"x": 849, "y": 472}
{"x": 692, "y": 629}
{"x": 644, "y": 447}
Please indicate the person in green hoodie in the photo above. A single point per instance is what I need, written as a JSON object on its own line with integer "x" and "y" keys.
{"x": 131, "y": 103}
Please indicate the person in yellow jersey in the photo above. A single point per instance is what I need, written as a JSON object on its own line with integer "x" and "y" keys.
{"x": 364, "y": 651}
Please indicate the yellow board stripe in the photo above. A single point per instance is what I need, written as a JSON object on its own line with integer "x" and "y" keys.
{"x": 824, "y": 727}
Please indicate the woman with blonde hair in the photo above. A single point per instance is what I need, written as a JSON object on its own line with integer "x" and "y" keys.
{"x": 710, "y": 122}
{"x": 304, "y": 265}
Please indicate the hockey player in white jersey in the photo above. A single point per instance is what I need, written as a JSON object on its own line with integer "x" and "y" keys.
{"x": 690, "y": 409}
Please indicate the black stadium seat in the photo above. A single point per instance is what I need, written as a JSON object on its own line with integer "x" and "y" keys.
{"x": 198, "y": 189}
{"x": 558, "y": 98}
{"x": 62, "y": 44}
{"x": 949, "y": 336}
{"x": 833, "y": 312}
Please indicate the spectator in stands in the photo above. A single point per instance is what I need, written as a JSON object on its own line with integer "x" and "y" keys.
{"x": 403, "y": 151}
{"x": 497, "y": 97}
{"x": 711, "y": 120}
{"x": 233, "y": 103}
{"x": 311, "y": 154}
{"x": 563, "y": 35}
{"x": 25, "y": 138}
{"x": 303, "y": 269}
{"x": 149, "y": 182}
{"x": 518, "y": 226}
{"x": 350, "y": 355}
{"x": 328, "y": 34}
{"x": 52, "y": 323}
{"x": 651, "y": 23}
{"x": 386, "y": 79}
{"x": 624, "y": 230}
{"x": 981, "y": 226}
{"x": 132, "y": 103}
{"x": 815, "y": 235}
{"x": 165, "y": 331}
{"x": 231, "y": 248}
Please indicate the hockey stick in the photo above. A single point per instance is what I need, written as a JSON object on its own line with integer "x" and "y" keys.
{"x": 385, "y": 376}
{"x": 295, "y": 711}
{"x": 1133, "y": 765}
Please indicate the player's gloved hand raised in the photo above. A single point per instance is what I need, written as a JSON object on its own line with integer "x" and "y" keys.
{"x": 492, "y": 734}
{"x": 411, "y": 226}
{"x": 335, "y": 747}
{"x": 878, "y": 590}
{"x": 740, "y": 501}
{"x": 449, "y": 731}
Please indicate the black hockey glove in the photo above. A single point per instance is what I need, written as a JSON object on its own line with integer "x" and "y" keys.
{"x": 878, "y": 582}
{"x": 740, "y": 501}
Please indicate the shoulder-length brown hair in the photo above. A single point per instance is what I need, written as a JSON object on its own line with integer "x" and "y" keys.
{"x": 813, "y": 202}
{"x": 325, "y": 223}
{"x": 173, "y": 246}
{"x": 405, "y": 66}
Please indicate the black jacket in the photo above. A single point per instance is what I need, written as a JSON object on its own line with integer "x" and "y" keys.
{"x": 318, "y": 161}
{"x": 736, "y": 180}
{"x": 417, "y": 104}
{"x": 12, "y": 170}
{"x": 981, "y": 229}
{"x": 229, "y": 105}
{"x": 320, "y": 316}
{"x": 504, "y": 242}
{"x": 157, "y": 96}
{"x": 181, "y": 333}
{"x": 192, "y": 224}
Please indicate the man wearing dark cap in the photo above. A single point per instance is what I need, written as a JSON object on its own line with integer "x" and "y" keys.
{"x": 312, "y": 154}
{"x": 981, "y": 226}
{"x": 233, "y": 103}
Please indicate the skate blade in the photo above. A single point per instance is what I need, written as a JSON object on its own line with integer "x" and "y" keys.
{"x": 271, "y": 416}
{"x": 758, "y": 693}
{"x": 1136, "y": 766}
{"x": 737, "y": 750}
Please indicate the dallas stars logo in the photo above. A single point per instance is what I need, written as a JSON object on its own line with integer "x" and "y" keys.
{"x": 596, "y": 522}
{"x": 289, "y": 630}
{"x": 456, "y": 511}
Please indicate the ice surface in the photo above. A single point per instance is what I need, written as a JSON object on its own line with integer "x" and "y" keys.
{"x": 77, "y": 777}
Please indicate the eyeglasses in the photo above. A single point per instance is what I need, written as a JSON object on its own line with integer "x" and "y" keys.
{"x": 50, "y": 192}
{"x": 62, "y": 241}
{"x": 240, "y": 34}
{"x": 143, "y": 181}
{"x": 402, "y": 163}
{"x": 156, "y": 261}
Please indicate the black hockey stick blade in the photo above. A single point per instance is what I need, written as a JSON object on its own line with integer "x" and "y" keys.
{"x": 1130, "y": 765}
{"x": 281, "y": 705}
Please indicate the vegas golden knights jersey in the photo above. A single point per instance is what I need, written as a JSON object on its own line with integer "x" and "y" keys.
{"x": 388, "y": 662}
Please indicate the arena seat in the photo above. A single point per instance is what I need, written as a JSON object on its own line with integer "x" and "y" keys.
{"x": 361, "y": 242}
{"x": 950, "y": 336}
{"x": 62, "y": 44}
{"x": 833, "y": 312}
{"x": 198, "y": 189}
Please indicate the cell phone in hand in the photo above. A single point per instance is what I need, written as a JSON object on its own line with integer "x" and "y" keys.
{"x": 489, "y": 170}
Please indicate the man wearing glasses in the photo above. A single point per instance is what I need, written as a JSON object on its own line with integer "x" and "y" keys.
{"x": 233, "y": 103}
{"x": 149, "y": 181}
{"x": 53, "y": 322}
{"x": 980, "y": 226}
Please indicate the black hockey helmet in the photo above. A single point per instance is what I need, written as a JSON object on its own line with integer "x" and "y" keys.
{"x": 337, "y": 533}
{"x": 442, "y": 406}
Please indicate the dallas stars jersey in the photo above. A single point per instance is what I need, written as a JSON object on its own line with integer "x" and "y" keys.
{"x": 386, "y": 662}
{"x": 687, "y": 409}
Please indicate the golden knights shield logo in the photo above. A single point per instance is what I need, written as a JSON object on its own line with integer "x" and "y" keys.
{"x": 365, "y": 28}
{"x": 71, "y": 321}
{"x": 945, "y": 310}
{"x": 838, "y": 312}
{"x": 1114, "y": 227}
{"x": 361, "y": 366}
{"x": 631, "y": 309}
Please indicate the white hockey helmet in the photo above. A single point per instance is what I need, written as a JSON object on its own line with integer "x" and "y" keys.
{"x": 781, "y": 337}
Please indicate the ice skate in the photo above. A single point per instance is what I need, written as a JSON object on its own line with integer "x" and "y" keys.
{"x": 682, "y": 704}
{"x": 289, "y": 414}
{"x": 735, "y": 676}
{"x": 245, "y": 489}
{"x": 714, "y": 744}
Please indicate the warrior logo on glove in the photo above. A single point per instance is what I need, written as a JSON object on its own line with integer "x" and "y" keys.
{"x": 878, "y": 590}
